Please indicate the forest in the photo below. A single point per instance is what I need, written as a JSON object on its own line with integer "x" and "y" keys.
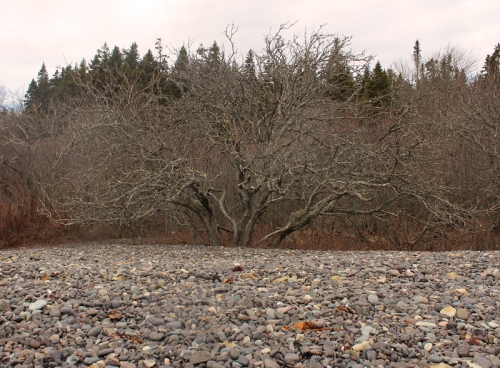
{"x": 304, "y": 143}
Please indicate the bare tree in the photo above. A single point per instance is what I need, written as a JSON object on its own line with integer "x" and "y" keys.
{"x": 243, "y": 140}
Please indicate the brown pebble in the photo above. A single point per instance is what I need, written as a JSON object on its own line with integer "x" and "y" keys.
{"x": 462, "y": 313}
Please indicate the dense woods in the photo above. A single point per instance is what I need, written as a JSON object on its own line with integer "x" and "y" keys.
{"x": 301, "y": 143}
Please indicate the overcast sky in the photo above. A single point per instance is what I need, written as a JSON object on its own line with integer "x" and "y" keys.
{"x": 58, "y": 32}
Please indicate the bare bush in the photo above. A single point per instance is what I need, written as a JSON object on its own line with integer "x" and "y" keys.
{"x": 242, "y": 141}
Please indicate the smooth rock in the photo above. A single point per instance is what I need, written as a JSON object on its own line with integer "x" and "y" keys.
{"x": 448, "y": 311}
{"x": 5, "y": 306}
{"x": 372, "y": 298}
{"x": 271, "y": 363}
{"x": 95, "y": 331}
{"x": 38, "y": 305}
{"x": 198, "y": 357}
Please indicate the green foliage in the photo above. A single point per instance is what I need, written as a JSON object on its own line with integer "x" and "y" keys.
{"x": 182, "y": 61}
{"x": 339, "y": 78}
{"x": 249, "y": 67}
{"x": 38, "y": 96}
{"x": 378, "y": 87}
{"x": 417, "y": 60}
{"x": 492, "y": 63}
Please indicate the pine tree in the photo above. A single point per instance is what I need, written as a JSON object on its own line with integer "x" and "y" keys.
{"x": 148, "y": 65}
{"x": 43, "y": 84}
{"x": 99, "y": 65}
{"x": 161, "y": 58}
{"x": 492, "y": 63}
{"x": 362, "y": 80}
{"x": 63, "y": 84}
{"x": 378, "y": 87}
{"x": 214, "y": 55}
{"x": 131, "y": 61}
{"x": 249, "y": 67}
{"x": 39, "y": 92}
{"x": 417, "y": 60}
{"x": 30, "y": 99}
{"x": 338, "y": 76}
{"x": 116, "y": 59}
{"x": 182, "y": 61}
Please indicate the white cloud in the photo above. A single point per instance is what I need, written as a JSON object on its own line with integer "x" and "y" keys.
{"x": 59, "y": 31}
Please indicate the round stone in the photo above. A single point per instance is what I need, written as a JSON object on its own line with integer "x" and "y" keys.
{"x": 372, "y": 298}
{"x": 462, "y": 313}
{"x": 95, "y": 331}
{"x": 38, "y": 305}
{"x": 448, "y": 311}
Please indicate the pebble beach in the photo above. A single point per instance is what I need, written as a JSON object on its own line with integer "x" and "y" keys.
{"x": 115, "y": 305}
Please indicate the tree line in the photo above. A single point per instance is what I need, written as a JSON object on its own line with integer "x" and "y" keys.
{"x": 299, "y": 142}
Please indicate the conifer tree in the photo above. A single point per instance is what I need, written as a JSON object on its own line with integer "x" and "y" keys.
{"x": 492, "y": 63}
{"x": 249, "y": 67}
{"x": 417, "y": 59}
{"x": 43, "y": 84}
{"x": 39, "y": 93}
{"x": 30, "y": 99}
{"x": 131, "y": 60}
{"x": 182, "y": 60}
{"x": 116, "y": 59}
{"x": 214, "y": 53}
{"x": 339, "y": 78}
{"x": 378, "y": 87}
{"x": 362, "y": 80}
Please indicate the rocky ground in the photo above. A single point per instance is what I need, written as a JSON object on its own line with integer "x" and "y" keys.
{"x": 177, "y": 306}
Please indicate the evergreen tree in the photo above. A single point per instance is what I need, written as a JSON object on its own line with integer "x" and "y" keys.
{"x": 378, "y": 87}
{"x": 161, "y": 57}
{"x": 30, "y": 99}
{"x": 131, "y": 60}
{"x": 43, "y": 84}
{"x": 249, "y": 67}
{"x": 148, "y": 65}
{"x": 38, "y": 96}
{"x": 214, "y": 55}
{"x": 182, "y": 60}
{"x": 417, "y": 60}
{"x": 116, "y": 59}
{"x": 492, "y": 63}
{"x": 99, "y": 66}
{"x": 63, "y": 84}
{"x": 338, "y": 75}
{"x": 362, "y": 80}
{"x": 101, "y": 58}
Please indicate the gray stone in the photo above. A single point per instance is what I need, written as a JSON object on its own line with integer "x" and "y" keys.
{"x": 186, "y": 354}
{"x": 371, "y": 355}
{"x": 55, "y": 312}
{"x": 38, "y": 305}
{"x": 95, "y": 331}
{"x": 372, "y": 298}
{"x": 5, "y": 306}
{"x": 200, "y": 357}
{"x": 271, "y": 363}
{"x": 463, "y": 350}
{"x": 104, "y": 352}
{"x": 291, "y": 359}
{"x": 68, "y": 310}
{"x": 155, "y": 321}
{"x": 482, "y": 361}
{"x": 436, "y": 358}
{"x": 174, "y": 325}
{"x": 243, "y": 360}
{"x": 156, "y": 336}
{"x": 234, "y": 353}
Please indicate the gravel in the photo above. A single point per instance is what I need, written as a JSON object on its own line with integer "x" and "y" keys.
{"x": 186, "y": 306}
